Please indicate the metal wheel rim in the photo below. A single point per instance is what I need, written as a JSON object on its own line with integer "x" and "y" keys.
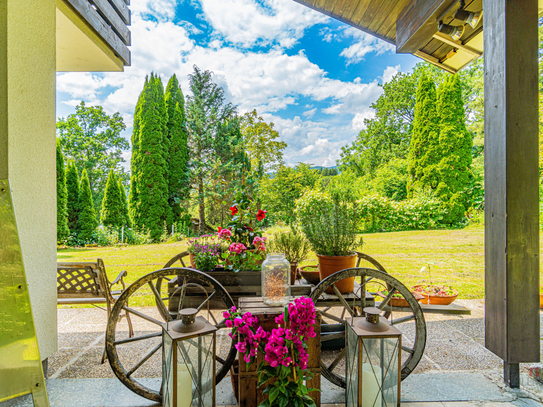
{"x": 111, "y": 350}
{"x": 420, "y": 339}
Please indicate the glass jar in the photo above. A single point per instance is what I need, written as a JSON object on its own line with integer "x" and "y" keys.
{"x": 276, "y": 280}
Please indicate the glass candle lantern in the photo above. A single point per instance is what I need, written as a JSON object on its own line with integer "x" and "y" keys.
{"x": 276, "y": 280}
{"x": 373, "y": 371}
{"x": 188, "y": 361}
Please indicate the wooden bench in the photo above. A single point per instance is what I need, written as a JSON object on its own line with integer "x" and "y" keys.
{"x": 87, "y": 283}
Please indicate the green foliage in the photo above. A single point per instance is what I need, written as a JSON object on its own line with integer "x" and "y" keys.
{"x": 280, "y": 191}
{"x": 106, "y": 236}
{"x": 62, "y": 195}
{"x": 135, "y": 161}
{"x": 149, "y": 204}
{"x": 93, "y": 140}
{"x": 292, "y": 243}
{"x": 113, "y": 212}
{"x": 380, "y": 214}
{"x": 329, "y": 224}
{"x": 391, "y": 180}
{"x": 424, "y": 150}
{"x": 124, "y": 204}
{"x": 206, "y": 113}
{"x": 178, "y": 157}
{"x": 87, "y": 222}
{"x": 262, "y": 142}
{"x": 72, "y": 187}
{"x": 455, "y": 153}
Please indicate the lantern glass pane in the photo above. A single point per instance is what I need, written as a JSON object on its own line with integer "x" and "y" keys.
{"x": 167, "y": 371}
{"x": 195, "y": 376}
{"x": 379, "y": 379}
{"x": 352, "y": 368}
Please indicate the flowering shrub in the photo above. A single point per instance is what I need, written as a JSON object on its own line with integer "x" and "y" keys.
{"x": 238, "y": 256}
{"x": 284, "y": 348}
{"x": 242, "y": 226}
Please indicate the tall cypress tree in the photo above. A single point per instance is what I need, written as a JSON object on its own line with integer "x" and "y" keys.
{"x": 112, "y": 213}
{"x": 72, "y": 186}
{"x": 87, "y": 222}
{"x": 62, "y": 195}
{"x": 424, "y": 151}
{"x": 150, "y": 201}
{"x": 456, "y": 146}
{"x": 124, "y": 204}
{"x": 178, "y": 177}
{"x": 135, "y": 159}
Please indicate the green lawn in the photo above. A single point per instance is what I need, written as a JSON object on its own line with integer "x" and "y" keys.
{"x": 458, "y": 257}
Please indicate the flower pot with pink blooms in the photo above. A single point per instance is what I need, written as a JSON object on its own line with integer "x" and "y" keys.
{"x": 246, "y": 246}
{"x": 330, "y": 222}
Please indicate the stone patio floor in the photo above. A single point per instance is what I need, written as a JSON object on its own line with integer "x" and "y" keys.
{"x": 455, "y": 371}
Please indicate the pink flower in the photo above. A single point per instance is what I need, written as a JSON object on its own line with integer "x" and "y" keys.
{"x": 229, "y": 323}
{"x": 237, "y": 248}
{"x": 224, "y": 233}
{"x": 238, "y": 321}
{"x": 241, "y": 347}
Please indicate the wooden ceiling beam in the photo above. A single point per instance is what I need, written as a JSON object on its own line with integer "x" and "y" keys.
{"x": 457, "y": 44}
{"x": 417, "y": 23}
{"x": 433, "y": 60}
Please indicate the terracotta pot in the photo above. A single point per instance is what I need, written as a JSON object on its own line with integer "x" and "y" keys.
{"x": 293, "y": 273}
{"x": 234, "y": 375}
{"x": 541, "y": 301}
{"x": 435, "y": 299}
{"x": 191, "y": 259}
{"x": 401, "y": 302}
{"x": 329, "y": 265}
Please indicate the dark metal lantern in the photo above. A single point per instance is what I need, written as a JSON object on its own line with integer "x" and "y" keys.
{"x": 373, "y": 372}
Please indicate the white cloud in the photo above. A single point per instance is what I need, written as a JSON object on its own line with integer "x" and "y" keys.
{"x": 246, "y": 23}
{"x": 364, "y": 44}
{"x": 162, "y": 10}
{"x": 79, "y": 85}
{"x": 389, "y": 73}
{"x": 309, "y": 113}
{"x": 358, "y": 120}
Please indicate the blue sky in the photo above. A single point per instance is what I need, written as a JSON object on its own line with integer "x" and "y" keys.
{"x": 312, "y": 76}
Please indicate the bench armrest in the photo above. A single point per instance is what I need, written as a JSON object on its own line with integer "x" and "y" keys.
{"x": 120, "y": 279}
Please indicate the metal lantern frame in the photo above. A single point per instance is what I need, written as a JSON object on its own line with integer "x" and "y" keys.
{"x": 356, "y": 327}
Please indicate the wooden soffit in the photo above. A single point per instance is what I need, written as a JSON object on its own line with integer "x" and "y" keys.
{"x": 411, "y": 25}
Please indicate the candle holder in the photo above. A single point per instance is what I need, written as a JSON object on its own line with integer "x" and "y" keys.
{"x": 373, "y": 372}
{"x": 188, "y": 361}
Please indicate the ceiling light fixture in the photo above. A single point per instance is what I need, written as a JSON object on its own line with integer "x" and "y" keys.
{"x": 454, "y": 31}
{"x": 468, "y": 17}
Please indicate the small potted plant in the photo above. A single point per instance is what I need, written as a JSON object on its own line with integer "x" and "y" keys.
{"x": 204, "y": 252}
{"x": 295, "y": 247}
{"x": 434, "y": 294}
{"x": 330, "y": 225}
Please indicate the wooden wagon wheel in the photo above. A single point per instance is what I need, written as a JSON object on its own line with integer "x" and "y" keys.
{"x": 354, "y": 303}
{"x": 150, "y": 341}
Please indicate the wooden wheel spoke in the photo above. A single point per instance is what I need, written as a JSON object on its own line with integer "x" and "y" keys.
{"x": 221, "y": 324}
{"x": 338, "y": 359}
{"x": 141, "y": 315}
{"x": 387, "y": 299}
{"x": 402, "y": 319}
{"x": 145, "y": 359}
{"x": 220, "y": 360}
{"x": 343, "y": 300}
{"x": 213, "y": 318}
{"x": 408, "y": 350}
{"x": 206, "y": 301}
{"x": 332, "y": 317}
{"x": 137, "y": 338}
{"x": 160, "y": 304}
{"x": 331, "y": 337}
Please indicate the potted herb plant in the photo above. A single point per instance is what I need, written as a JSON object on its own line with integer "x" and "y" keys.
{"x": 330, "y": 225}
{"x": 204, "y": 252}
{"x": 295, "y": 247}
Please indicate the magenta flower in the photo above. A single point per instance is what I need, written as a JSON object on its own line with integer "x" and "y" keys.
{"x": 237, "y": 248}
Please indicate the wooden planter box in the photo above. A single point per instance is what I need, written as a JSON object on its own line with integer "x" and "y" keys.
{"x": 238, "y": 285}
{"x": 249, "y": 394}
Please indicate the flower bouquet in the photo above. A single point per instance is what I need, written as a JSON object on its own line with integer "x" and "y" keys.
{"x": 284, "y": 348}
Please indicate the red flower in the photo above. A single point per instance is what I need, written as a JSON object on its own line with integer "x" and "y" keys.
{"x": 220, "y": 228}
{"x": 261, "y": 215}
{"x": 249, "y": 228}
{"x": 234, "y": 210}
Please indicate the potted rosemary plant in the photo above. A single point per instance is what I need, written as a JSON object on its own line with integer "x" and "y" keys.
{"x": 330, "y": 225}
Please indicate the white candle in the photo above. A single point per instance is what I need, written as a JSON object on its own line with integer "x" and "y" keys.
{"x": 371, "y": 384}
{"x": 184, "y": 385}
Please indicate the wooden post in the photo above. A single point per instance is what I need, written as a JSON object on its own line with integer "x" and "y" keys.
{"x": 4, "y": 90}
{"x": 511, "y": 183}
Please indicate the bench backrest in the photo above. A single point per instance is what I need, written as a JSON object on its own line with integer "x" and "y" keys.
{"x": 79, "y": 280}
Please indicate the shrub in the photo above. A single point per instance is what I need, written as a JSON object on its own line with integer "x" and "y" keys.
{"x": 137, "y": 237}
{"x": 380, "y": 214}
{"x": 292, "y": 243}
{"x": 329, "y": 224}
{"x": 106, "y": 236}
